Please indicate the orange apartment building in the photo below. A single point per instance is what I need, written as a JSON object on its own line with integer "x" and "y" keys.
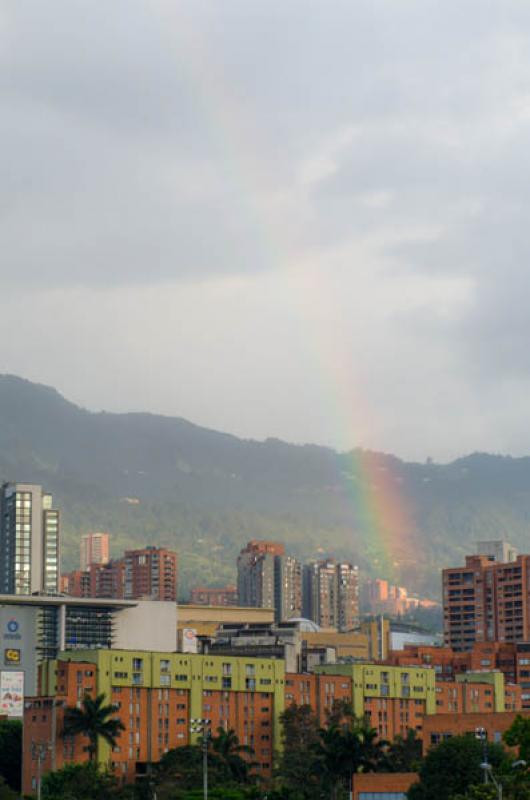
{"x": 155, "y": 696}
{"x": 94, "y": 548}
{"x": 511, "y": 658}
{"x": 486, "y": 601}
{"x": 98, "y": 580}
{"x": 43, "y": 724}
{"x": 148, "y": 573}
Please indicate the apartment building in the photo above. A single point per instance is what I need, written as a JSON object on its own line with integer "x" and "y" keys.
{"x": 486, "y": 601}
{"x": 29, "y": 540}
{"x": 393, "y": 699}
{"x": 156, "y": 695}
{"x": 94, "y": 548}
{"x": 150, "y": 573}
{"x": 331, "y": 594}
{"x": 268, "y": 578}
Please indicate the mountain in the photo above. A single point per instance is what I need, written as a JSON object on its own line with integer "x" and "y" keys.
{"x": 155, "y": 479}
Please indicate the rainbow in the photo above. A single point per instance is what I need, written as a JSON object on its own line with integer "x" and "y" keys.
{"x": 383, "y": 521}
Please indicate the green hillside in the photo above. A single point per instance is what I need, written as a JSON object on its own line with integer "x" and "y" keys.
{"x": 154, "y": 479}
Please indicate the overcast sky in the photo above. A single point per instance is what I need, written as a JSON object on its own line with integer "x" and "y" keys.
{"x": 288, "y": 218}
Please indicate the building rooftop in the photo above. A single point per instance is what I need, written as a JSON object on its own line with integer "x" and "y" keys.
{"x": 62, "y": 599}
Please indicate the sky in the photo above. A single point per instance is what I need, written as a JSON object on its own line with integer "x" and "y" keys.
{"x": 306, "y": 219}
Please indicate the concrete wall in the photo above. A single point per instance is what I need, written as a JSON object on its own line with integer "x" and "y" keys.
{"x": 150, "y": 625}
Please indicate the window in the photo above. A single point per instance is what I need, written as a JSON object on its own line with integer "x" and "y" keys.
{"x": 164, "y": 665}
{"x": 138, "y": 664}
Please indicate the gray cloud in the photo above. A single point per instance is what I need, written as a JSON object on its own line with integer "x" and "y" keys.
{"x": 252, "y": 203}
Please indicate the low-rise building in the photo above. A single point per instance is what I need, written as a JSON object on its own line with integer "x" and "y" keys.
{"x": 382, "y": 785}
{"x": 214, "y": 596}
{"x": 438, "y": 727}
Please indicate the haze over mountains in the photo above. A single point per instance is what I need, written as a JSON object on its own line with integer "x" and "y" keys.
{"x": 161, "y": 480}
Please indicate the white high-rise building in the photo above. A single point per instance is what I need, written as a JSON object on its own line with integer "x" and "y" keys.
{"x": 29, "y": 540}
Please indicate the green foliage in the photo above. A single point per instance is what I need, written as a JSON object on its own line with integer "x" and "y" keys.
{"x": 404, "y": 753}
{"x": 180, "y": 771}
{"x": 518, "y": 735}
{"x": 11, "y": 752}
{"x": 203, "y": 492}
{"x": 6, "y": 792}
{"x": 346, "y": 748}
{"x": 480, "y": 792}
{"x": 300, "y": 738}
{"x": 322, "y": 760}
{"x": 226, "y": 750}
{"x": 79, "y": 782}
{"x": 453, "y": 766}
{"x": 93, "y": 720}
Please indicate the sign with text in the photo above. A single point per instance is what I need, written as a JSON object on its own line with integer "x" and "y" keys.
{"x": 12, "y": 694}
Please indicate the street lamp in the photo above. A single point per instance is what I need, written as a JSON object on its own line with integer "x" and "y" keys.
{"x": 202, "y": 726}
{"x": 488, "y": 773}
{"x": 38, "y": 752}
{"x": 482, "y": 734}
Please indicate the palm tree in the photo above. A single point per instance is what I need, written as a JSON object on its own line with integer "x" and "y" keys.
{"x": 93, "y": 720}
{"x": 226, "y": 748}
{"x": 346, "y": 748}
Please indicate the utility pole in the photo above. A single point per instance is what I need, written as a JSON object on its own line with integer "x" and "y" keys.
{"x": 202, "y": 726}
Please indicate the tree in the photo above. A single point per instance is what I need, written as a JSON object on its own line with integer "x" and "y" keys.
{"x": 93, "y": 720}
{"x": 346, "y": 748}
{"x": 226, "y": 748}
{"x": 453, "y": 766}
{"x": 6, "y": 792}
{"x": 404, "y": 753}
{"x": 518, "y": 735}
{"x": 79, "y": 782}
{"x": 11, "y": 752}
{"x": 296, "y": 766}
{"x": 180, "y": 771}
{"x": 481, "y": 792}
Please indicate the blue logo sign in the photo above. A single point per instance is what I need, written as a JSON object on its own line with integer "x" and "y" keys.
{"x": 12, "y": 626}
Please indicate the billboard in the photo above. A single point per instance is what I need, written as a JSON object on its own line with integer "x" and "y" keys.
{"x": 189, "y": 640}
{"x": 12, "y": 694}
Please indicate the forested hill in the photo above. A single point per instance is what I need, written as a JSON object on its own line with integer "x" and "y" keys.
{"x": 154, "y": 479}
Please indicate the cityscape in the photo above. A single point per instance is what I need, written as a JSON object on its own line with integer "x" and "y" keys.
{"x": 288, "y": 639}
{"x": 264, "y": 392}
